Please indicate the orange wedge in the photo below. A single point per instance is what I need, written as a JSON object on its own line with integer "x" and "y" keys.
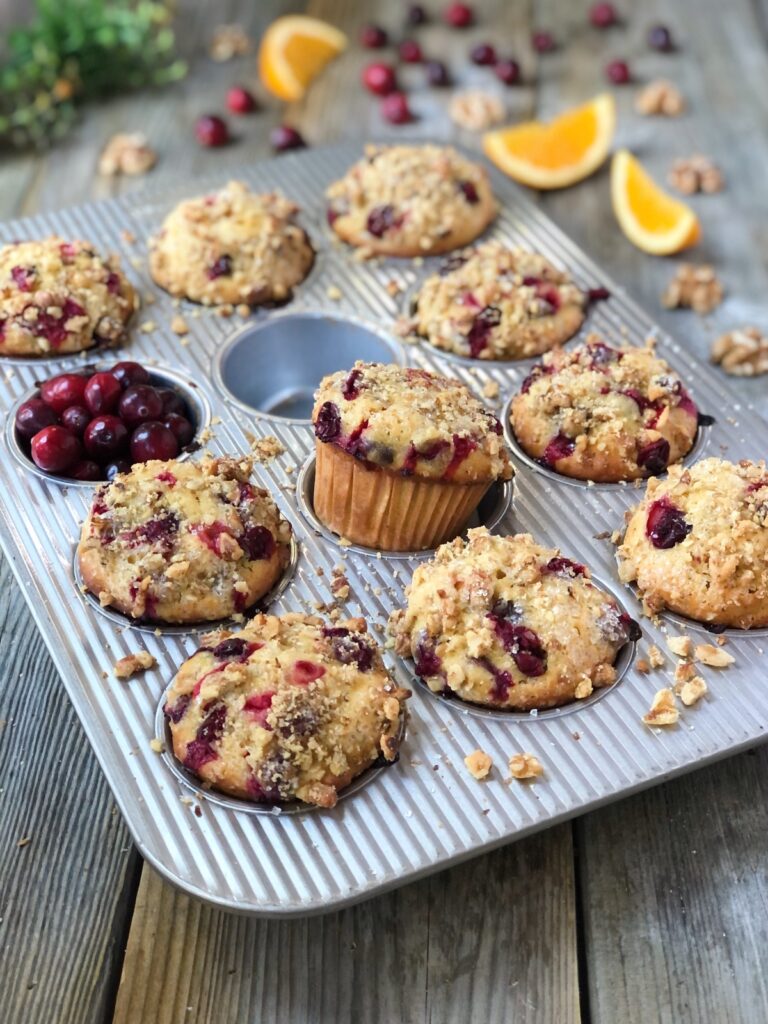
{"x": 648, "y": 216}
{"x": 559, "y": 153}
{"x": 294, "y": 50}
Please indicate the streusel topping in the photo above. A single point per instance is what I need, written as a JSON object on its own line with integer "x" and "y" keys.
{"x": 410, "y": 421}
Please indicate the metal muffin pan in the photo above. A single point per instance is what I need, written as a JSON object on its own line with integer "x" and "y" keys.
{"x": 426, "y": 812}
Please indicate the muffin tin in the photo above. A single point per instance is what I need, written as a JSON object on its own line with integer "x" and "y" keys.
{"x": 425, "y": 812}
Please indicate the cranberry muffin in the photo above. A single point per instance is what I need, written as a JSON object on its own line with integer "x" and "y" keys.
{"x": 504, "y": 622}
{"x": 605, "y": 414}
{"x": 59, "y": 296}
{"x": 697, "y": 543}
{"x": 411, "y": 201}
{"x": 180, "y": 542}
{"x": 231, "y": 246}
{"x": 403, "y": 456}
{"x": 289, "y": 708}
{"x": 494, "y": 302}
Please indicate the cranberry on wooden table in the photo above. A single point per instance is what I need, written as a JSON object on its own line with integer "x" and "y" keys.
{"x": 507, "y": 71}
{"x": 241, "y": 100}
{"x": 380, "y": 79}
{"x": 211, "y": 131}
{"x": 395, "y": 108}
{"x": 373, "y": 37}
{"x": 458, "y": 15}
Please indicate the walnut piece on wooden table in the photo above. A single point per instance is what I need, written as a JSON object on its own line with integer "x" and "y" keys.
{"x": 476, "y": 110}
{"x": 742, "y": 352}
{"x": 127, "y": 153}
{"x": 696, "y": 173}
{"x": 693, "y": 287}
{"x": 660, "y": 97}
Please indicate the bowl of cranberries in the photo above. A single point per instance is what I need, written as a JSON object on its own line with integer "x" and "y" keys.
{"x": 87, "y": 425}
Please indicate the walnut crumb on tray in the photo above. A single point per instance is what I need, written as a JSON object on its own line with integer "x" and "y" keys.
{"x": 479, "y": 764}
{"x": 134, "y": 663}
{"x": 525, "y": 766}
{"x": 742, "y": 352}
{"x": 264, "y": 449}
{"x": 663, "y": 710}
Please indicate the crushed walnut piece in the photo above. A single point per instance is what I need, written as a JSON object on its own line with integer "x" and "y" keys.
{"x": 655, "y": 657}
{"x": 525, "y": 766}
{"x": 264, "y": 449}
{"x": 742, "y": 352}
{"x": 696, "y": 173}
{"x": 664, "y": 710}
{"x": 127, "y": 153}
{"x": 714, "y": 657}
{"x": 682, "y": 646}
{"x": 479, "y": 764}
{"x": 339, "y": 584}
{"x": 693, "y": 691}
{"x": 179, "y": 325}
{"x": 693, "y": 287}
{"x": 476, "y": 110}
{"x": 132, "y": 664}
{"x": 229, "y": 41}
{"x": 660, "y": 97}
{"x": 684, "y": 671}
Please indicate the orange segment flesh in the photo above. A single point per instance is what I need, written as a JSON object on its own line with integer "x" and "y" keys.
{"x": 294, "y": 50}
{"x": 650, "y": 218}
{"x": 558, "y": 153}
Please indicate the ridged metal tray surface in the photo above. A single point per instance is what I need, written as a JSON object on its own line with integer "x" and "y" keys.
{"x": 425, "y": 812}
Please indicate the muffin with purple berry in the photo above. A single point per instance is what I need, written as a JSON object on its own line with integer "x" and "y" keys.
{"x": 411, "y": 201}
{"x": 697, "y": 543}
{"x": 289, "y": 708}
{"x": 504, "y": 622}
{"x": 231, "y": 246}
{"x": 495, "y": 302}
{"x": 606, "y": 414}
{"x": 404, "y": 456}
{"x": 180, "y": 542}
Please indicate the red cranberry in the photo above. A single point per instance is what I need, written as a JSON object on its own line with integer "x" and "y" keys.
{"x": 328, "y": 422}
{"x": 304, "y": 672}
{"x": 603, "y": 15}
{"x": 508, "y": 71}
{"x": 666, "y": 525}
{"x": 222, "y": 267}
{"x": 543, "y": 41}
{"x": 33, "y": 416}
{"x": 416, "y": 15}
{"x": 200, "y": 751}
{"x": 211, "y": 130}
{"x": 523, "y": 644}
{"x": 618, "y": 72}
{"x": 180, "y": 427}
{"x": 86, "y": 470}
{"x": 660, "y": 38}
{"x": 380, "y": 79}
{"x": 139, "y": 404}
{"x": 153, "y": 440}
{"x": 257, "y": 542}
{"x": 23, "y": 277}
{"x": 462, "y": 449}
{"x": 564, "y": 567}
{"x": 350, "y": 389}
{"x": 76, "y": 418}
{"x": 599, "y": 294}
{"x": 426, "y": 659}
{"x": 102, "y": 393}
{"x": 112, "y": 469}
{"x": 481, "y": 328}
{"x": 113, "y": 283}
{"x": 172, "y": 402}
{"x": 55, "y": 449}
{"x": 372, "y": 37}
{"x": 469, "y": 191}
{"x": 395, "y": 109}
{"x": 458, "y": 15}
{"x": 483, "y": 54}
{"x": 410, "y": 52}
{"x": 438, "y": 75}
{"x": 177, "y": 711}
{"x": 560, "y": 447}
{"x": 381, "y": 219}
{"x": 654, "y": 457}
{"x": 349, "y": 648}
{"x": 283, "y": 137}
{"x": 65, "y": 390}
{"x": 240, "y": 100}
{"x": 129, "y": 373}
{"x": 105, "y": 437}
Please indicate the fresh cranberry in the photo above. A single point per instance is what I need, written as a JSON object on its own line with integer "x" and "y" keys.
{"x": 23, "y": 277}
{"x": 507, "y": 71}
{"x": 603, "y": 15}
{"x": 543, "y": 41}
{"x": 426, "y": 660}
{"x": 105, "y": 437}
{"x": 666, "y": 525}
{"x": 523, "y": 644}
{"x": 560, "y": 447}
{"x": 160, "y": 532}
{"x": 480, "y": 331}
{"x": 304, "y": 672}
{"x": 410, "y": 52}
{"x": 462, "y": 449}
{"x": 231, "y": 648}
{"x": 599, "y": 294}
{"x": 395, "y": 109}
{"x": 117, "y": 466}
{"x": 172, "y": 402}
{"x": 55, "y": 450}
{"x": 139, "y": 404}
{"x": 65, "y": 390}
{"x": 257, "y": 542}
{"x": 241, "y": 100}
{"x": 469, "y": 190}
{"x": 180, "y": 427}
{"x": 660, "y": 38}
{"x": 350, "y": 389}
{"x": 483, "y": 54}
{"x": 618, "y": 72}
{"x": 211, "y": 131}
{"x": 458, "y": 15}
{"x": 380, "y": 79}
{"x": 177, "y": 711}
{"x": 33, "y": 416}
{"x": 416, "y": 15}
{"x": 258, "y": 705}
{"x": 200, "y": 751}
{"x": 76, "y": 418}
{"x": 564, "y": 567}
{"x": 86, "y": 470}
{"x": 128, "y": 373}
{"x": 654, "y": 457}
{"x": 153, "y": 440}
{"x": 328, "y": 422}
{"x": 283, "y": 138}
{"x": 54, "y": 328}
{"x": 372, "y": 37}
{"x": 382, "y": 219}
{"x": 438, "y": 75}
{"x": 102, "y": 393}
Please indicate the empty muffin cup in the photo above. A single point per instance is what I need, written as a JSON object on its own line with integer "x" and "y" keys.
{"x": 274, "y": 366}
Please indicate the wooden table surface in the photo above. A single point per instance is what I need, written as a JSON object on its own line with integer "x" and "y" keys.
{"x": 653, "y": 909}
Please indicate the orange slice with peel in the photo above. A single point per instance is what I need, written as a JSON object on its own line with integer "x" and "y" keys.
{"x": 650, "y": 218}
{"x": 294, "y": 50}
{"x": 560, "y": 152}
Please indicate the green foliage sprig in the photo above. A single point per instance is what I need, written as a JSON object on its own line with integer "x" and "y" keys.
{"x": 76, "y": 50}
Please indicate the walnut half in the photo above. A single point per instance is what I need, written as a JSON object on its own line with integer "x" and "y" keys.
{"x": 742, "y": 352}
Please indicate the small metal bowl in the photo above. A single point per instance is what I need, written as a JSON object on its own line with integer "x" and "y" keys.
{"x": 197, "y": 405}
{"x": 490, "y": 512}
{"x": 273, "y": 366}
